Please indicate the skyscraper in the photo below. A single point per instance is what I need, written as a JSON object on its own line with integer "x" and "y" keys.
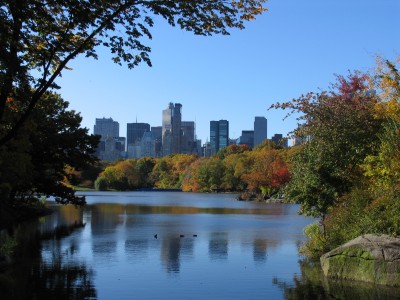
{"x": 219, "y": 135}
{"x": 188, "y": 143}
{"x": 260, "y": 130}
{"x": 247, "y": 138}
{"x": 111, "y": 145}
{"x": 157, "y": 133}
{"x": 106, "y": 127}
{"x": 171, "y": 129}
{"x": 135, "y": 131}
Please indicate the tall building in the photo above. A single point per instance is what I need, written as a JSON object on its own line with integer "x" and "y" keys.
{"x": 279, "y": 140}
{"x": 135, "y": 131}
{"x": 148, "y": 145}
{"x": 171, "y": 129}
{"x": 157, "y": 133}
{"x": 247, "y": 138}
{"x": 260, "y": 130}
{"x": 106, "y": 127}
{"x": 223, "y": 134}
{"x": 219, "y": 135}
{"x": 111, "y": 146}
{"x": 188, "y": 142}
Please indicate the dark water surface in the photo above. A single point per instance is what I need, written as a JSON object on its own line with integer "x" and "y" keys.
{"x": 169, "y": 245}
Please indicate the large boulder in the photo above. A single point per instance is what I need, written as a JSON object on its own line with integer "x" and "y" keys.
{"x": 368, "y": 258}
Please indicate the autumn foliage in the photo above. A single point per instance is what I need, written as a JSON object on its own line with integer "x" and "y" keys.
{"x": 237, "y": 168}
{"x": 348, "y": 171}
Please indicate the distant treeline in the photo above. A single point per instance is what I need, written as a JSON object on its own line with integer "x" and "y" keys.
{"x": 259, "y": 172}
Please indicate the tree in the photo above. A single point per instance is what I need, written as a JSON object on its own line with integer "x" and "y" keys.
{"x": 39, "y": 38}
{"x": 341, "y": 128}
{"x": 34, "y": 164}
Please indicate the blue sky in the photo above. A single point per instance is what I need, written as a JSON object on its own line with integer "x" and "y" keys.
{"x": 294, "y": 48}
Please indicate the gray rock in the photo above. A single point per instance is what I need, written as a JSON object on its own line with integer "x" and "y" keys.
{"x": 368, "y": 258}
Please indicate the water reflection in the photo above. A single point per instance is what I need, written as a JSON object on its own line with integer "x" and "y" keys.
{"x": 312, "y": 284}
{"x": 226, "y": 248}
{"x": 170, "y": 253}
{"x": 260, "y": 250}
{"x": 46, "y": 267}
{"x": 218, "y": 246}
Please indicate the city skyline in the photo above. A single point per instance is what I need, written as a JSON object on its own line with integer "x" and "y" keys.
{"x": 131, "y": 125}
{"x": 172, "y": 137}
{"x": 294, "y": 48}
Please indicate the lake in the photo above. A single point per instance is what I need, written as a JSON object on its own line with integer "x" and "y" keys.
{"x": 170, "y": 245}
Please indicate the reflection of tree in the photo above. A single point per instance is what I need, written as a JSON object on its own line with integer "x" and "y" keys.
{"x": 106, "y": 216}
{"x": 218, "y": 245}
{"x": 35, "y": 276}
{"x": 58, "y": 281}
{"x": 312, "y": 284}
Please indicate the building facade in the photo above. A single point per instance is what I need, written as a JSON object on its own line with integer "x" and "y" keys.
{"x": 111, "y": 146}
{"x": 260, "y": 130}
{"x": 247, "y": 138}
{"x": 219, "y": 135}
{"x": 106, "y": 127}
{"x": 188, "y": 141}
{"x": 135, "y": 131}
{"x": 171, "y": 129}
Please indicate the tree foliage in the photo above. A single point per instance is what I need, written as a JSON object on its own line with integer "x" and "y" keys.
{"x": 235, "y": 169}
{"x": 33, "y": 164}
{"x": 39, "y": 38}
{"x": 348, "y": 171}
{"x": 341, "y": 129}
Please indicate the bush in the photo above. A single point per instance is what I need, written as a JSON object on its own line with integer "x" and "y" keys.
{"x": 100, "y": 184}
{"x": 316, "y": 244}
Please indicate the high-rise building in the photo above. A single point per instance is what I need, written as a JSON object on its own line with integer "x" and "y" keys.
{"x": 247, "y": 138}
{"x": 171, "y": 129}
{"x": 279, "y": 140}
{"x": 157, "y": 133}
{"x": 135, "y": 131}
{"x": 260, "y": 130}
{"x": 106, "y": 127}
{"x": 214, "y": 138}
{"x": 188, "y": 142}
{"x": 219, "y": 135}
{"x": 111, "y": 146}
{"x": 223, "y": 134}
{"x": 148, "y": 145}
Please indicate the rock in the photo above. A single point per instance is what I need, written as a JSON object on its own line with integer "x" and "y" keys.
{"x": 369, "y": 258}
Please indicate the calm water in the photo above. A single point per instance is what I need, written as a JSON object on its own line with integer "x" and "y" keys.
{"x": 169, "y": 245}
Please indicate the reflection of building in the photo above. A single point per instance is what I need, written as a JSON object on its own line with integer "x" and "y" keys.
{"x": 260, "y": 250}
{"x": 260, "y": 130}
{"x": 170, "y": 251}
{"x": 219, "y": 135}
{"x": 218, "y": 246}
